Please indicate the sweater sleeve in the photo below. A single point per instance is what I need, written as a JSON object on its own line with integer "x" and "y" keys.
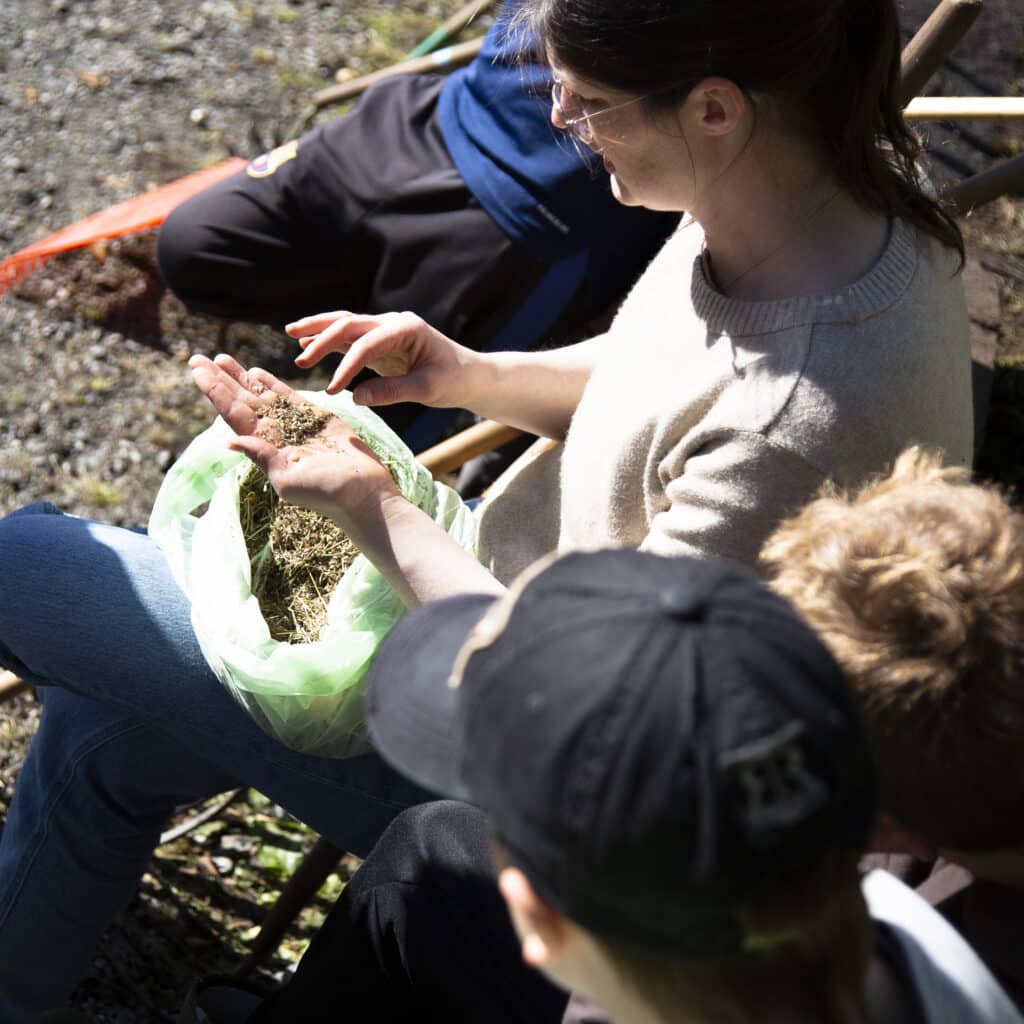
{"x": 727, "y": 496}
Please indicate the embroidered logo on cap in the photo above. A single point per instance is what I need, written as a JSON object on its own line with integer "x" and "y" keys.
{"x": 776, "y": 788}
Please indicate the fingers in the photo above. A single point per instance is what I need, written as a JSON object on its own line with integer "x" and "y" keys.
{"x": 352, "y": 362}
{"x": 222, "y": 390}
{"x": 231, "y": 390}
{"x": 342, "y": 332}
{"x": 391, "y": 348}
{"x": 265, "y": 380}
{"x": 259, "y": 450}
{"x": 221, "y": 370}
{"x": 401, "y": 348}
{"x": 325, "y": 333}
{"x": 256, "y": 381}
{"x": 232, "y": 368}
{"x": 335, "y": 336}
{"x": 314, "y": 324}
{"x": 390, "y": 390}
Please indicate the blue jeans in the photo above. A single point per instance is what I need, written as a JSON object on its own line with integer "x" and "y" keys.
{"x": 134, "y": 724}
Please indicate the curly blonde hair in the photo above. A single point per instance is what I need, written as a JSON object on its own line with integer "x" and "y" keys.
{"x": 916, "y": 584}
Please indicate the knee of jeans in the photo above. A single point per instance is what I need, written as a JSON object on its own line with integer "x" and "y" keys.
{"x": 13, "y": 554}
{"x": 12, "y": 533}
{"x": 36, "y": 508}
{"x": 116, "y": 768}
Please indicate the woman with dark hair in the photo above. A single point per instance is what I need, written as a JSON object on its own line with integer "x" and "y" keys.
{"x": 805, "y": 325}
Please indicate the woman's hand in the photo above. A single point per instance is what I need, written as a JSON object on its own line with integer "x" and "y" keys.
{"x": 415, "y": 362}
{"x": 335, "y": 473}
{"x": 332, "y": 472}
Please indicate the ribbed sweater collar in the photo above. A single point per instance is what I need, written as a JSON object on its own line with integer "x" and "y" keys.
{"x": 877, "y": 289}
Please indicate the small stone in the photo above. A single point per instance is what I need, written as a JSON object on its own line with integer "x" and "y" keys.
{"x": 223, "y": 865}
{"x": 238, "y": 843}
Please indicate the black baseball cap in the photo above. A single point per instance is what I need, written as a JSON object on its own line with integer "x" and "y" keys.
{"x": 655, "y": 740}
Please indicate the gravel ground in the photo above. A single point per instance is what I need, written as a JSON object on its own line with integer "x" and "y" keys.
{"x": 100, "y": 100}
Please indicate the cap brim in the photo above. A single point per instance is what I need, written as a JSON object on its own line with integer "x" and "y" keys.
{"x": 412, "y": 711}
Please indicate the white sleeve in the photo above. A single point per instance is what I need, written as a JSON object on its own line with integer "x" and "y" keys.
{"x": 952, "y": 983}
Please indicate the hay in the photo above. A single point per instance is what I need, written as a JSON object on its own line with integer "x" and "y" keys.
{"x": 297, "y": 555}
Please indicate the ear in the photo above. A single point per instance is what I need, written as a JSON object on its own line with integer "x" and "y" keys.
{"x": 719, "y": 105}
{"x": 891, "y": 837}
{"x": 543, "y": 932}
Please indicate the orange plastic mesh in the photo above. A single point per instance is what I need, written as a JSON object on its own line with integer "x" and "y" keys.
{"x": 131, "y": 217}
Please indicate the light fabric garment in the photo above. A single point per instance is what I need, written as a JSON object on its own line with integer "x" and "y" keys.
{"x": 707, "y": 419}
{"x": 952, "y": 984}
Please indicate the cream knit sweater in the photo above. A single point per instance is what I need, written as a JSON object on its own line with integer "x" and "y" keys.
{"x": 708, "y": 419}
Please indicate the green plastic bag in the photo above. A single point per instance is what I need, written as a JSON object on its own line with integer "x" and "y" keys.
{"x": 309, "y": 696}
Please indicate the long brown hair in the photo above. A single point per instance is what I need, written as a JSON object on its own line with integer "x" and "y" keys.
{"x": 835, "y": 64}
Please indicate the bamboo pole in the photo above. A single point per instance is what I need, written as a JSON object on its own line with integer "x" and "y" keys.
{"x": 448, "y": 59}
{"x": 1003, "y": 178}
{"x": 933, "y": 42}
{"x": 448, "y": 455}
{"x": 951, "y": 108}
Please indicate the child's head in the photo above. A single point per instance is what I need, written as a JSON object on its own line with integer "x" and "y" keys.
{"x": 672, "y": 764}
{"x": 916, "y": 584}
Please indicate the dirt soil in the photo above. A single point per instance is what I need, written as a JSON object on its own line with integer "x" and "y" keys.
{"x": 102, "y": 99}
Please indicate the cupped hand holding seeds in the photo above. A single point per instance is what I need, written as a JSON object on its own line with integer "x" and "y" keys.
{"x": 311, "y": 458}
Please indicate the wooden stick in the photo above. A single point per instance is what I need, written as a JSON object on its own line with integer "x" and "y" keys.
{"x": 942, "y": 108}
{"x": 1003, "y": 178}
{"x": 482, "y": 437}
{"x": 451, "y": 29}
{"x": 207, "y": 814}
{"x": 303, "y": 885}
{"x": 451, "y": 57}
{"x": 932, "y": 44}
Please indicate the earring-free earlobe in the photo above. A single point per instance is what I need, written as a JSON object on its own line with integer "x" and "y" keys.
{"x": 535, "y": 951}
{"x": 722, "y": 103}
{"x": 541, "y": 930}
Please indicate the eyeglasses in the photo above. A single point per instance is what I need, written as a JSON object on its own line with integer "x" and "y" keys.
{"x": 565, "y": 102}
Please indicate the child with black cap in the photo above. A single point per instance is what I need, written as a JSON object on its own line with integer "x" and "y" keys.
{"x": 678, "y": 789}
